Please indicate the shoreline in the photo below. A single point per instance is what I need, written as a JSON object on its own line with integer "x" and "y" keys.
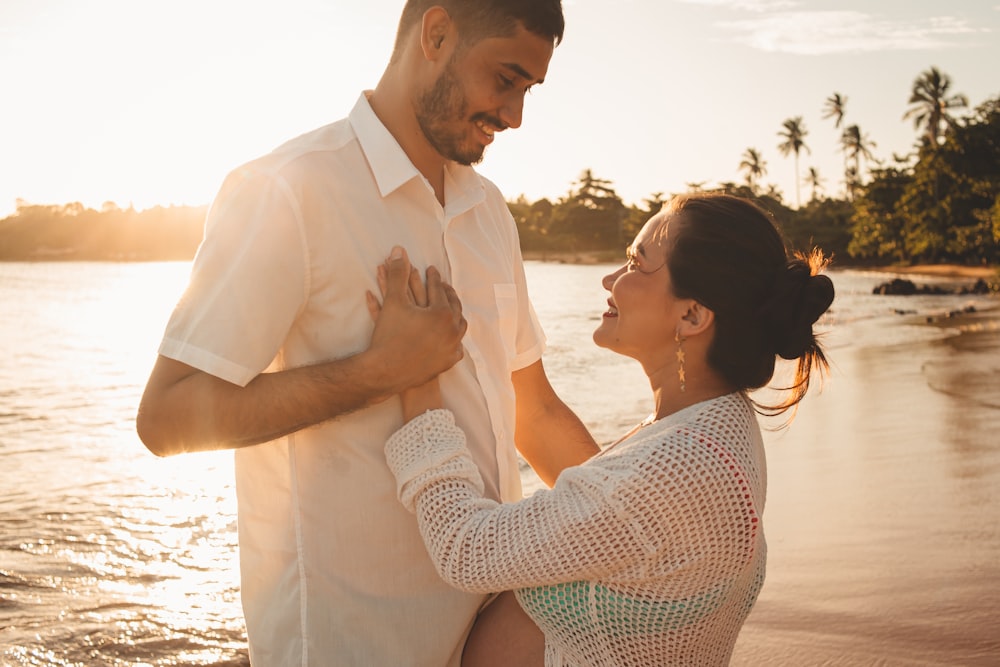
{"x": 989, "y": 273}
{"x": 928, "y": 270}
{"x": 573, "y": 257}
{"x": 877, "y": 497}
{"x": 938, "y": 270}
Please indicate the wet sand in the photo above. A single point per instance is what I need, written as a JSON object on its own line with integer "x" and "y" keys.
{"x": 943, "y": 271}
{"x": 883, "y": 512}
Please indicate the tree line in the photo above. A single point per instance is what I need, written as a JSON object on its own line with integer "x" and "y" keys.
{"x": 938, "y": 203}
{"x": 75, "y": 232}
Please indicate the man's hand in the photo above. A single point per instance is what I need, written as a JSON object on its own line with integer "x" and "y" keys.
{"x": 418, "y": 327}
{"x": 418, "y": 334}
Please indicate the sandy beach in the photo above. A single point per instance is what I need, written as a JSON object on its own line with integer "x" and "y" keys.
{"x": 883, "y": 511}
{"x": 987, "y": 273}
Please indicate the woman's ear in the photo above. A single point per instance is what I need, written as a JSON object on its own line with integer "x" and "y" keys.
{"x": 436, "y": 33}
{"x": 696, "y": 320}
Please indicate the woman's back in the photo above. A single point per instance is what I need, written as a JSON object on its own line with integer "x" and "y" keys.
{"x": 689, "y": 490}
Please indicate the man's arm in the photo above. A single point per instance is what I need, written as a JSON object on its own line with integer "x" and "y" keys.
{"x": 548, "y": 434}
{"x": 184, "y": 409}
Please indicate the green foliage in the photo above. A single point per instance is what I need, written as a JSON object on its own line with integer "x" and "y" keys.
{"x": 877, "y": 226}
{"x": 942, "y": 209}
{"x": 931, "y": 103}
{"x": 822, "y": 223}
{"x": 856, "y": 145}
{"x": 993, "y": 217}
{"x": 940, "y": 205}
{"x": 954, "y": 185}
{"x": 73, "y": 232}
{"x": 592, "y": 217}
{"x": 532, "y": 223}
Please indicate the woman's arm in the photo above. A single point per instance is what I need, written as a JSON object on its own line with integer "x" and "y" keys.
{"x": 577, "y": 530}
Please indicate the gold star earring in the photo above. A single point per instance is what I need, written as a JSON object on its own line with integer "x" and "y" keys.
{"x": 680, "y": 360}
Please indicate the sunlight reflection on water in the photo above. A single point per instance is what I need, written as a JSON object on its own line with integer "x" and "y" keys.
{"x": 106, "y": 550}
{"x": 111, "y": 556}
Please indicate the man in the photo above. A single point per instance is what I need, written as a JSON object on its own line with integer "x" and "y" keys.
{"x": 271, "y": 350}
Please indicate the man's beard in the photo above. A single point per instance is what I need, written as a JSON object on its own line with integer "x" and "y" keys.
{"x": 444, "y": 105}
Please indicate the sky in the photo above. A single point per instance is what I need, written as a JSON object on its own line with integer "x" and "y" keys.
{"x": 152, "y": 102}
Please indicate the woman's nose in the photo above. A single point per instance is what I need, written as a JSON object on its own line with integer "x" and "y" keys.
{"x": 609, "y": 280}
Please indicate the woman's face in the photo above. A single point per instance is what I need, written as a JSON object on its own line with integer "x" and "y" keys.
{"x": 643, "y": 313}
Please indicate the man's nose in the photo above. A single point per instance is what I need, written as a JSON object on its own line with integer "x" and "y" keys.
{"x": 512, "y": 110}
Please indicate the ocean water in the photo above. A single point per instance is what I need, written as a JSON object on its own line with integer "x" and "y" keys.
{"x": 110, "y": 556}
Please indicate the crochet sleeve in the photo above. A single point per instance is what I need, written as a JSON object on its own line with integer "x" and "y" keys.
{"x": 574, "y": 531}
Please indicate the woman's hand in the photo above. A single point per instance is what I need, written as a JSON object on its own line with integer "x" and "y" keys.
{"x": 432, "y": 294}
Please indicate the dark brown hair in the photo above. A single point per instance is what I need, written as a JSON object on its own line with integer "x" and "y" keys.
{"x": 726, "y": 253}
{"x": 478, "y": 19}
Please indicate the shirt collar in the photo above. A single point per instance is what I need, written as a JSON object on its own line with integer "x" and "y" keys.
{"x": 392, "y": 168}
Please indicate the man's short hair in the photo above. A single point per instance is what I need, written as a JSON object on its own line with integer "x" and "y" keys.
{"x": 479, "y": 19}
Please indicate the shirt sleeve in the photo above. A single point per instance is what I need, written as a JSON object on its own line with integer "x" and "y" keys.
{"x": 248, "y": 280}
{"x": 530, "y": 341}
{"x": 528, "y": 338}
{"x": 574, "y": 531}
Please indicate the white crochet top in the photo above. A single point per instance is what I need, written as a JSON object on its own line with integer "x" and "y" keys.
{"x": 651, "y": 553}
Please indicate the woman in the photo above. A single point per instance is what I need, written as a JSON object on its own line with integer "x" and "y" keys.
{"x": 652, "y": 552}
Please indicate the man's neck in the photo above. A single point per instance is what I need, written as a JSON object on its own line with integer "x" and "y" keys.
{"x": 396, "y": 113}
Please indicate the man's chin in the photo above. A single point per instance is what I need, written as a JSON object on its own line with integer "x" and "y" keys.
{"x": 469, "y": 158}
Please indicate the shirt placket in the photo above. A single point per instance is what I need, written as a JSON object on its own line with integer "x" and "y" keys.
{"x": 485, "y": 373}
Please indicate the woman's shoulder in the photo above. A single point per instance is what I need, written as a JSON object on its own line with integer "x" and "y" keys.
{"x": 711, "y": 434}
{"x": 727, "y": 414}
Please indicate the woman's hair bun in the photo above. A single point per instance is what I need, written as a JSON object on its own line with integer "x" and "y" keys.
{"x": 798, "y": 298}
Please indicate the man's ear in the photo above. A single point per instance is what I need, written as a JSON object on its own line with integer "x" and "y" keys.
{"x": 696, "y": 320}
{"x": 436, "y": 33}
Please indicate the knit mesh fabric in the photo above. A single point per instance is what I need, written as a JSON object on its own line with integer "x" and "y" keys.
{"x": 651, "y": 553}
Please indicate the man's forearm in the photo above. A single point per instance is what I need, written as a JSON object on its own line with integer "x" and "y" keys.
{"x": 185, "y": 410}
{"x": 555, "y": 439}
{"x": 548, "y": 434}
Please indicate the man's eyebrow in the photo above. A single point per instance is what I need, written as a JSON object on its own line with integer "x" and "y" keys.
{"x": 521, "y": 72}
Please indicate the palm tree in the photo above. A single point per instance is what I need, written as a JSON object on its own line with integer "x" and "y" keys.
{"x": 851, "y": 182}
{"x": 856, "y": 146}
{"x": 773, "y": 192}
{"x": 931, "y": 104}
{"x": 794, "y": 132}
{"x": 835, "y": 107}
{"x": 815, "y": 182}
{"x": 593, "y": 192}
{"x": 754, "y": 166}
